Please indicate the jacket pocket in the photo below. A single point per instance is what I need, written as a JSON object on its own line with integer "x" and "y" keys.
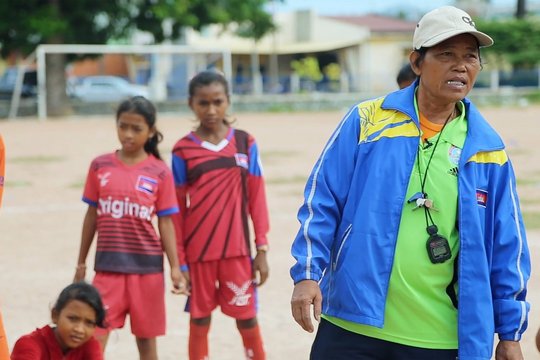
{"x": 344, "y": 238}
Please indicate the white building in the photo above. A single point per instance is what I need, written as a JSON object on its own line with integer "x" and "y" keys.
{"x": 370, "y": 49}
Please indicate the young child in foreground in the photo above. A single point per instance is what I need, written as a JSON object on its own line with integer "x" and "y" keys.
{"x": 75, "y": 315}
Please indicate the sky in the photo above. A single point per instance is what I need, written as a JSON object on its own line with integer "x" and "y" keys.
{"x": 355, "y": 7}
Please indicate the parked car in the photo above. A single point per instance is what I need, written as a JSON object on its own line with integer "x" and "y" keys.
{"x": 105, "y": 89}
{"x": 9, "y": 78}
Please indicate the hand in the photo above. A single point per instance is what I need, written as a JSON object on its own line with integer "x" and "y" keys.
{"x": 260, "y": 268}
{"x": 187, "y": 277}
{"x": 508, "y": 350}
{"x": 305, "y": 294}
{"x": 80, "y": 273}
{"x": 179, "y": 282}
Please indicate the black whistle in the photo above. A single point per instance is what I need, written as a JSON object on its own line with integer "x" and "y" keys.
{"x": 432, "y": 229}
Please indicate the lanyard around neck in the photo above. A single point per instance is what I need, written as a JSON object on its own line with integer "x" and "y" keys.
{"x": 430, "y": 227}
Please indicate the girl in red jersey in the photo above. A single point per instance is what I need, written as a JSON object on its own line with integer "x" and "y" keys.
{"x": 76, "y": 314}
{"x": 124, "y": 190}
{"x": 219, "y": 184}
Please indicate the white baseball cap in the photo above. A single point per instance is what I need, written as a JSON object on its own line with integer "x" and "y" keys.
{"x": 443, "y": 23}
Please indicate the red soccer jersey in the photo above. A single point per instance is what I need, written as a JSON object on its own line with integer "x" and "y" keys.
{"x": 218, "y": 187}
{"x": 127, "y": 197}
{"x": 41, "y": 344}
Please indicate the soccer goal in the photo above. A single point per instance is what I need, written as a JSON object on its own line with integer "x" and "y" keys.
{"x": 166, "y": 69}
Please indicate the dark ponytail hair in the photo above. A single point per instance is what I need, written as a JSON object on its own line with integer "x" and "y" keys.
{"x": 85, "y": 293}
{"x": 144, "y": 107}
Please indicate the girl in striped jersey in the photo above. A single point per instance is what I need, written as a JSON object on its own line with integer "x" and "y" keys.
{"x": 124, "y": 190}
{"x": 219, "y": 184}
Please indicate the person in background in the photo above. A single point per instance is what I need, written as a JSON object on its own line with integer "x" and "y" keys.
{"x": 406, "y": 76}
{"x": 76, "y": 314}
{"x": 124, "y": 190}
{"x": 2, "y": 167}
{"x": 412, "y": 244}
{"x": 220, "y": 186}
{"x": 4, "y": 349}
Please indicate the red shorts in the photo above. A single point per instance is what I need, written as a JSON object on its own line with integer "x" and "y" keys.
{"x": 142, "y": 296}
{"x": 227, "y": 283}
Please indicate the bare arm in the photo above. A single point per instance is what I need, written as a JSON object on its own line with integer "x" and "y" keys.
{"x": 168, "y": 241}
{"x": 260, "y": 268}
{"x": 88, "y": 233}
{"x": 178, "y": 221}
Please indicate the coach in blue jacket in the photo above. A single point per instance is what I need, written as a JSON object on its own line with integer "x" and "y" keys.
{"x": 412, "y": 244}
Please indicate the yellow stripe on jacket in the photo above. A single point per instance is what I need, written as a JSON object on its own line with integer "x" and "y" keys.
{"x": 495, "y": 157}
{"x": 376, "y": 123}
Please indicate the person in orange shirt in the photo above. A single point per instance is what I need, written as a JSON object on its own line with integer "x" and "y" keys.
{"x": 2, "y": 166}
{"x": 4, "y": 351}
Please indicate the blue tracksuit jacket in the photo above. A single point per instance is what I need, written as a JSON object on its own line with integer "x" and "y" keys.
{"x": 352, "y": 210}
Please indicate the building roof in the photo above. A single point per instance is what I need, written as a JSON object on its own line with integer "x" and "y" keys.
{"x": 298, "y": 32}
{"x": 378, "y": 23}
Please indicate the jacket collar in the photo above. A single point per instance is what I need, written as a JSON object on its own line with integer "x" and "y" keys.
{"x": 480, "y": 135}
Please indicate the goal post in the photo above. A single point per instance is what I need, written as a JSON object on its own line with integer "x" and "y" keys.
{"x": 196, "y": 60}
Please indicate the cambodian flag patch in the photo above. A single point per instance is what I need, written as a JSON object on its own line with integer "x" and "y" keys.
{"x": 146, "y": 184}
{"x": 241, "y": 160}
{"x": 481, "y": 197}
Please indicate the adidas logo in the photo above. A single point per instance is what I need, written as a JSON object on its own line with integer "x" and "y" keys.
{"x": 454, "y": 171}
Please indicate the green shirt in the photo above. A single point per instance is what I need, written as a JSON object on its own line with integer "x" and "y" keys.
{"x": 418, "y": 310}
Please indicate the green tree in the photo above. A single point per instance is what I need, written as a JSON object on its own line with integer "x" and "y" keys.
{"x": 307, "y": 68}
{"x": 26, "y": 24}
{"x": 517, "y": 42}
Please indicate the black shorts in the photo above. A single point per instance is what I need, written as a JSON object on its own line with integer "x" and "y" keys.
{"x": 335, "y": 343}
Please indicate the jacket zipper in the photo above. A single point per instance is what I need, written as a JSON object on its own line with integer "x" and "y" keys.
{"x": 345, "y": 237}
{"x": 334, "y": 265}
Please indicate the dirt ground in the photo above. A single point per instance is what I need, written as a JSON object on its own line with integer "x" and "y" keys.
{"x": 41, "y": 219}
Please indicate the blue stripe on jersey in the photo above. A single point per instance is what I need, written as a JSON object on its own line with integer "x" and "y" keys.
{"x": 255, "y": 167}
{"x": 194, "y": 138}
{"x": 179, "y": 170}
{"x": 89, "y": 202}
{"x": 167, "y": 212}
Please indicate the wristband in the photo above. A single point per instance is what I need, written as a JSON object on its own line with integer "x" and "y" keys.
{"x": 262, "y": 248}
